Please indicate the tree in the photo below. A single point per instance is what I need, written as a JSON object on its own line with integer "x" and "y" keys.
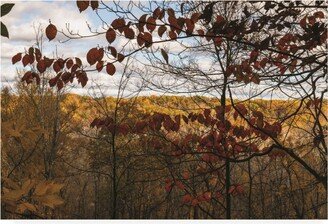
{"x": 280, "y": 46}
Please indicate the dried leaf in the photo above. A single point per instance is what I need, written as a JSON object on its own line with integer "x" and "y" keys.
{"x": 110, "y": 69}
{"x": 110, "y": 35}
{"x": 51, "y": 32}
{"x": 82, "y": 5}
{"x": 16, "y": 58}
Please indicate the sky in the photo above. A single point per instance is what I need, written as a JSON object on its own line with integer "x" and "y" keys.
{"x": 26, "y": 16}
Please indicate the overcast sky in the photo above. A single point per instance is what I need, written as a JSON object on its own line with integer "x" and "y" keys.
{"x": 26, "y": 16}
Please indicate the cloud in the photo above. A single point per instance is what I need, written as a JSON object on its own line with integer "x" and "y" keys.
{"x": 25, "y": 15}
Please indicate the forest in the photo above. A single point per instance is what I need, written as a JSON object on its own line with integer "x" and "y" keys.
{"x": 218, "y": 111}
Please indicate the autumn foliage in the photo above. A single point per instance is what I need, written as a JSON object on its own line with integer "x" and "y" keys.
{"x": 214, "y": 155}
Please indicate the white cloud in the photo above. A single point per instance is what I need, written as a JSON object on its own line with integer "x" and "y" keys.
{"x": 24, "y": 15}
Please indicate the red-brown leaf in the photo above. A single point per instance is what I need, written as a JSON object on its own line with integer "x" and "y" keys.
{"x": 110, "y": 35}
{"x": 78, "y": 62}
{"x": 92, "y": 56}
{"x": 151, "y": 24}
{"x": 303, "y": 22}
{"x": 94, "y": 4}
{"x": 148, "y": 39}
{"x": 173, "y": 22}
{"x": 53, "y": 81}
{"x": 60, "y": 84}
{"x": 48, "y": 61}
{"x": 319, "y": 15}
{"x": 26, "y": 60}
{"x": 219, "y": 19}
{"x": 140, "y": 39}
{"x": 16, "y": 58}
{"x": 51, "y": 32}
{"x": 120, "y": 57}
{"x": 99, "y": 66}
{"x": 27, "y": 76}
{"x": 83, "y": 78}
{"x": 66, "y": 76}
{"x": 218, "y": 41}
{"x": 38, "y": 54}
{"x": 37, "y": 78}
{"x": 31, "y": 58}
{"x": 110, "y": 69}
{"x": 100, "y": 54}
{"x": 41, "y": 66}
{"x": 82, "y": 5}
{"x": 195, "y": 16}
{"x": 201, "y": 32}
{"x": 57, "y": 66}
{"x": 74, "y": 68}
{"x": 129, "y": 33}
{"x": 172, "y": 35}
{"x": 157, "y": 12}
{"x": 186, "y": 199}
{"x": 31, "y": 51}
{"x": 170, "y": 12}
{"x": 113, "y": 51}
{"x": 142, "y": 20}
{"x": 69, "y": 63}
{"x": 190, "y": 26}
{"x": 118, "y": 23}
{"x": 161, "y": 30}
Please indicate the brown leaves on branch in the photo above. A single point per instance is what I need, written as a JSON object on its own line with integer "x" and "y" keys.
{"x": 29, "y": 76}
{"x": 282, "y": 48}
{"x": 223, "y": 139}
{"x": 66, "y": 69}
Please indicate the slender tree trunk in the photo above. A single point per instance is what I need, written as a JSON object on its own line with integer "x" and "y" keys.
{"x": 196, "y": 213}
{"x": 250, "y": 189}
{"x": 114, "y": 185}
{"x": 228, "y": 198}
{"x": 222, "y": 117}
